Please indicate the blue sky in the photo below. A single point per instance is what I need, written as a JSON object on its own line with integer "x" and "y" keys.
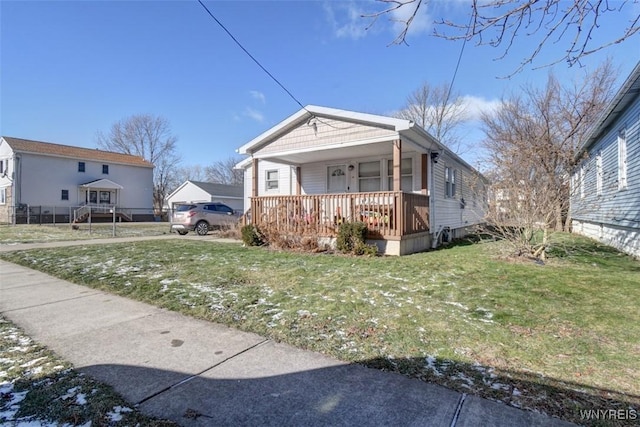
{"x": 71, "y": 68}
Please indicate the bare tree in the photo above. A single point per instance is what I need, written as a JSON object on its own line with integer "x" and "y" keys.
{"x": 531, "y": 143}
{"x": 149, "y": 137}
{"x": 439, "y": 112}
{"x": 224, "y": 172}
{"x": 499, "y": 23}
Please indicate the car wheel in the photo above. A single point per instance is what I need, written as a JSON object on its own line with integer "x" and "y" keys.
{"x": 182, "y": 233}
{"x": 202, "y": 228}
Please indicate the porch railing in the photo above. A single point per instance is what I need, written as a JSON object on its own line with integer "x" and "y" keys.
{"x": 386, "y": 213}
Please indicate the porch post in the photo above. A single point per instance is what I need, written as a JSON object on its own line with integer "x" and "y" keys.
{"x": 298, "y": 180}
{"x": 424, "y": 171}
{"x": 397, "y": 159}
{"x": 255, "y": 183}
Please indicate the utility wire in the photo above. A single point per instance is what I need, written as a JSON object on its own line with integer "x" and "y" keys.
{"x": 252, "y": 57}
{"x": 455, "y": 73}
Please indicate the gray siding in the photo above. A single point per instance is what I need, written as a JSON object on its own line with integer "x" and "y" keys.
{"x": 615, "y": 207}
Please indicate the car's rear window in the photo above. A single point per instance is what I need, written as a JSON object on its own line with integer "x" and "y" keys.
{"x": 184, "y": 208}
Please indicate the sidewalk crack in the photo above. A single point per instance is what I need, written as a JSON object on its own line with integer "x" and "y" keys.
{"x": 454, "y": 421}
{"x": 189, "y": 378}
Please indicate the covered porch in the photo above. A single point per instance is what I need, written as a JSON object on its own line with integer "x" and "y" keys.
{"x": 99, "y": 199}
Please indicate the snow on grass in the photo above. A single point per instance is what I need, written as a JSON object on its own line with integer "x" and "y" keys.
{"x": 115, "y": 415}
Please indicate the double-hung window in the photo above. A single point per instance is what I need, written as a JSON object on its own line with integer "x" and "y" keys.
{"x": 406, "y": 172}
{"x": 81, "y": 166}
{"x": 369, "y": 176}
{"x": 450, "y": 182}
{"x": 64, "y": 195}
{"x": 622, "y": 160}
{"x": 272, "y": 182}
{"x": 105, "y": 169}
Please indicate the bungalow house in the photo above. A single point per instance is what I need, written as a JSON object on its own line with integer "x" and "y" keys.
{"x": 45, "y": 182}
{"x": 323, "y": 166}
{"x": 197, "y": 191}
{"x": 605, "y": 203}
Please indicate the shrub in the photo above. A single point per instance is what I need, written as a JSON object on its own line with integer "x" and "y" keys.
{"x": 352, "y": 237}
{"x": 251, "y": 236}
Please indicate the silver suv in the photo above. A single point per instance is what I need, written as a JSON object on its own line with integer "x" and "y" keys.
{"x": 202, "y": 217}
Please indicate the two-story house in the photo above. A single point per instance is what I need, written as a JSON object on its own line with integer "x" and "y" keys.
{"x": 62, "y": 182}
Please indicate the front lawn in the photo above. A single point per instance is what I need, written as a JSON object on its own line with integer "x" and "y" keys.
{"x": 556, "y": 338}
{"x": 34, "y": 233}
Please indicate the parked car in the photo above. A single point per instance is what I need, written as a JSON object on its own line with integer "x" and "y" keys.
{"x": 202, "y": 217}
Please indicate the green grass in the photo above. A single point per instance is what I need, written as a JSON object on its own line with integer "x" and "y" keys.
{"x": 555, "y": 338}
{"x": 39, "y": 388}
{"x": 15, "y": 234}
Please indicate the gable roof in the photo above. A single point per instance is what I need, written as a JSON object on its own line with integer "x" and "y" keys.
{"x": 58, "y": 150}
{"x": 406, "y": 129}
{"x": 214, "y": 189}
{"x": 310, "y": 111}
{"x": 628, "y": 92}
{"x": 102, "y": 183}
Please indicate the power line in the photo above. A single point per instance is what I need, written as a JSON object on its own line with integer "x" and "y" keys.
{"x": 455, "y": 72}
{"x": 252, "y": 57}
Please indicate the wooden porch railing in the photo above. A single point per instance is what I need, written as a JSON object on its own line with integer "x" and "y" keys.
{"x": 386, "y": 213}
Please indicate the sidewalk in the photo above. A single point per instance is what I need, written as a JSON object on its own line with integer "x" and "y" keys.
{"x": 199, "y": 373}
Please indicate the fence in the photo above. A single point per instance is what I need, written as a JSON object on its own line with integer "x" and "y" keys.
{"x": 42, "y": 214}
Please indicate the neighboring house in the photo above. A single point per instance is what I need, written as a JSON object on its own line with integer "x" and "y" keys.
{"x": 61, "y": 183}
{"x": 196, "y": 191}
{"x": 606, "y": 185}
{"x": 323, "y": 166}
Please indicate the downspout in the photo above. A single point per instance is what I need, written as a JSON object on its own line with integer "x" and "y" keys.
{"x": 16, "y": 183}
{"x": 432, "y": 211}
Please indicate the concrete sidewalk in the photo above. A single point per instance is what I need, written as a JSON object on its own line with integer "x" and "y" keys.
{"x": 202, "y": 374}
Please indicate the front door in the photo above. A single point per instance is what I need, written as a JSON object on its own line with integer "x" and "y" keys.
{"x": 337, "y": 179}
{"x": 105, "y": 197}
{"x": 93, "y": 197}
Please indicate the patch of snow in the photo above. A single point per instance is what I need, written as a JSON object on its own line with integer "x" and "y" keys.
{"x": 81, "y": 399}
{"x": 32, "y": 362}
{"x": 457, "y": 304}
{"x": 116, "y": 414}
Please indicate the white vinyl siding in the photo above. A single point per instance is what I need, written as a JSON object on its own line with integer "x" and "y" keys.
{"x": 599, "y": 173}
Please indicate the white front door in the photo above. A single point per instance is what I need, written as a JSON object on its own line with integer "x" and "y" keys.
{"x": 337, "y": 179}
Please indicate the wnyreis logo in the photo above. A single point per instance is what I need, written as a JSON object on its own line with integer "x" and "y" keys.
{"x": 609, "y": 414}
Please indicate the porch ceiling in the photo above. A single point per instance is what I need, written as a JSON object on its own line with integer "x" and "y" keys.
{"x": 342, "y": 153}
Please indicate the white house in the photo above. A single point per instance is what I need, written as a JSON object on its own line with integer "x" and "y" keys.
{"x": 62, "y": 182}
{"x": 197, "y": 191}
{"x": 605, "y": 202}
{"x": 322, "y": 166}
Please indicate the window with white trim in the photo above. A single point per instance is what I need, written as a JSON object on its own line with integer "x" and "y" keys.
{"x": 81, "y": 166}
{"x": 3, "y": 196}
{"x": 599, "y": 173}
{"x": 622, "y": 160}
{"x": 64, "y": 195}
{"x": 369, "y": 176}
{"x": 582, "y": 181}
{"x": 450, "y": 181}
{"x": 272, "y": 180}
{"x": 406, "y": 172}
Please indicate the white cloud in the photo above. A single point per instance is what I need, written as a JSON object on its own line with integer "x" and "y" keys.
{"x": 421, "y": 23}
{"x": 475, "y": 106}
{"x": 254, "y": 114}
{"x": 259, "y": 96}
{"x": 346, "y": 19}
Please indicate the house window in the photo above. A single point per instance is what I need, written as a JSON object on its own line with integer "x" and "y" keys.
{"x": 105, "y": 169}
{"x": 406, "y": 172}
{"x": 369, "y": 176}
{"x": 582, "y": 181}
{"x": 64, "y": 195}
{"x": 599, "y": 173}
{"x": 105, "y": 197}
{"x": 272, "y": 180}
{"x": 80, "y": 166}
{"x": 3, "y": 168}
{"x": 622, "y": 160}
{"x": 450, "y": 182}
{"x": 3, "y": 196}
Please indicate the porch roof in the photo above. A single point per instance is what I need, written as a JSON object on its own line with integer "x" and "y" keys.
{"x": 103, "y": 184}
{"x": 414, "y": 138}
